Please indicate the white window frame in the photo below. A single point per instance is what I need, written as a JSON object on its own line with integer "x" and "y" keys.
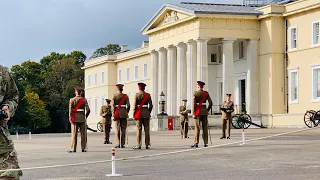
{"x": 96, "y": 106}
{"x": 128, "y": 74}
{"x": 145, "y": 70}
{"x": 89, "y": 80}
{"x": 290, "y": 71}
{"x": 119, "y": 75}
{"x": 102, "y": 100}
{"x": 313, "y": 44}
{"x": 95, "y": 80}
{"x": 313, "y": 88}
{"x": 102, "y": 77}
{"x": 136, "y": 72}
{"x": 290, "y": 38}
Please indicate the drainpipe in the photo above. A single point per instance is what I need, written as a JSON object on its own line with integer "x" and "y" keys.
{"x": 286, "y": 67}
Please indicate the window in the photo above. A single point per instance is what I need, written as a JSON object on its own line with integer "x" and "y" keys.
{"x": 128, "y": 73}
{"x": 102, "y": 100}
{"x": 96, "y": 107}
{"x": 293, "y": 86}
{"x": 220, "y": 53}
{"x": 119, "y": 75}
{"x": 316, "y": 83}
{"x": 145, "y": 71}
{"x": 213, "y": 58}
{"x": 292, "y": 38}
{"x": 95, "y": 79}
{"x": 135, "y": 72}
{"x": 241, "y": 50}
{"x": 102, "y": 78}
{"x": 315, "y": 33}
{"x": 88, "y": 80}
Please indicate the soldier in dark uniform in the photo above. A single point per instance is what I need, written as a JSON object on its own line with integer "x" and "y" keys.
{"x": 200, "y": 113}
{"x": 120, "y": 108}
{"x": 142, "y": 109}
{"x": 227, "y": 108}
{"x": 184, "y": 120}
{"x": 78, "y": 112}
{"x": 9, "y": 98}
{"x": 106, "y": 114}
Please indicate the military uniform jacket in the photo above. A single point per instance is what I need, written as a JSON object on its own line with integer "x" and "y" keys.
{"x": 183, "y": 113}
{"x": 106, "y": 114}
{"x": 9, "y": 96}
{"x": 83, "y": 111}
{"x": 124, "y": 110}
{"x": 229, "y": 105}
{"x": 197, "y": 96}
{"x": 145, "y": 110}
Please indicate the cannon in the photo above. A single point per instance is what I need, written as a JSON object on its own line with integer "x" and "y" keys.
{"x": 312, "y": 118}
{"x": 242, "y": 121}
{"x": 99, "y": 126}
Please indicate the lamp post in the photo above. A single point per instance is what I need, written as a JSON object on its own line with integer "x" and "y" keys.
{"x": 162, "y": 103}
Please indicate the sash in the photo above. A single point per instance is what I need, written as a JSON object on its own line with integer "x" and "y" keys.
{"x": 76, "y": 108}
{"x": 197, "y": 111}
{"x": 116, "y": 111}
{"x": 137, "y": 112}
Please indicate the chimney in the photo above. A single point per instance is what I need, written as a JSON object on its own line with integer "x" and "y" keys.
{"x": 124, "y": 47}
{"x": 145, "y": 44}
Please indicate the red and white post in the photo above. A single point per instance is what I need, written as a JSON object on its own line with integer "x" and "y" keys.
{"x": 243, "y": 138}
{"x": 113, "y": 164}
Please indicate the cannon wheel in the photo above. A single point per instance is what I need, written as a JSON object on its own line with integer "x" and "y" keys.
{"x": 242, "y": 124}
{"x": 99, "y": 126}
{"x": 308, "y": 119}
{"x": 234, "y": 121}
{"x": 316, "y": 118}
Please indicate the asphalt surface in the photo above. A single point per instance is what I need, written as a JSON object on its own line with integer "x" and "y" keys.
{"x": 293, "y": 156}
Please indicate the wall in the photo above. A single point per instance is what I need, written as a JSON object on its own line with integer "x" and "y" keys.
{"x": 303, "y": 58}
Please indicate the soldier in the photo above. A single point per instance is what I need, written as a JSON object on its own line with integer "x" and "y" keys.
{"x": 142, "y": 115}
{"x": 227, "y": 108}
{"x": 78, "y": 112}
{"x": 200, "y": 113}
{"x": 106, "y": 114}
{"x": 9, "y": 98}
{"x": 120, "y": 108}
{"x": 184, "y": 120}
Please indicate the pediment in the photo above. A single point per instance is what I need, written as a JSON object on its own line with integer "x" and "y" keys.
{"x": 166, "y": 16}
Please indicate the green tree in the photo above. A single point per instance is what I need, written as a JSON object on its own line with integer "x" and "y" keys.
{"x": 110, "y": 49}
{"x": 78, "y": 56}
{"x": 36, "y": 111}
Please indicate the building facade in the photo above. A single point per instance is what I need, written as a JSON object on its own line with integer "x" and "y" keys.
{"x": 267, "y": 57}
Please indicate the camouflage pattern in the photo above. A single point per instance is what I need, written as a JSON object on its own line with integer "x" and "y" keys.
{"x": 9, "y": 96}
{"x": 184, "y": 121}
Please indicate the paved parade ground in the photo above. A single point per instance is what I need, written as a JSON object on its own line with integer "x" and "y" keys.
{"x": 291, "y": 156}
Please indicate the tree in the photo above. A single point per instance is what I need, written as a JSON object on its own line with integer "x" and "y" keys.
{"x": 78, "y": 56}
{"x": 110, "y": 49}
{"x": 36, "y": 111}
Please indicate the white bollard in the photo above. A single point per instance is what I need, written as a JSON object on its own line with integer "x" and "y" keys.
{"x": 30, "y": 135}
{"x": 243, "y": 138}
{"x": 17, "y": 134}
{"x": 113, "y": 163}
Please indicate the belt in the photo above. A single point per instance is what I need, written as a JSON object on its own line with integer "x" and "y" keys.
{"x": 144, "y": 106}
{"x": 80, "y": 110}
{"x": 121, "y": 106}
{"x": 203, "y": 104}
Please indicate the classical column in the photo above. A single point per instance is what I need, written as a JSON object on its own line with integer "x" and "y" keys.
{"x": 181, "y": 73}
{"x": 163, "y": 72}
{"x": 227, "y": 67}
{"x": 191, "y": 70}
{"x": 252, "y": 77}
{"x": 172, "y": 81}
{"x": 154, "y": 82}
{"x": 202, "y": 60}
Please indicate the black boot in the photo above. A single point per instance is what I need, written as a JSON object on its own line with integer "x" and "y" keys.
{"x": 136, "y": 147}
{"x": 206, "y": 145}
{"x": 223, "y": 137}
{"x": 109, "y": 142}
{"x": 71, "y": 151}
{"x": 194, "y": 146}
{"x": 117, "y": 146}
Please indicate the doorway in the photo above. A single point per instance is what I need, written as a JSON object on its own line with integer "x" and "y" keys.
{"x": 242, "y": 96}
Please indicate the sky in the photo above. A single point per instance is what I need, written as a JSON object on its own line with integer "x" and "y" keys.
{"x": 32, "y": 29}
